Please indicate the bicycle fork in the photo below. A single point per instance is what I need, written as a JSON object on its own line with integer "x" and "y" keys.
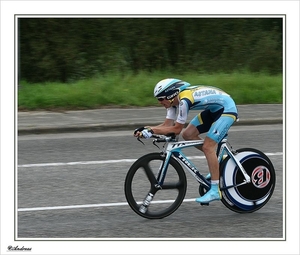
{"x": 144, "y": 207}
{"x": 161, "y": 176}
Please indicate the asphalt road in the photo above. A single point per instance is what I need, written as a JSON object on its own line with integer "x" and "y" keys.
{"x": 71, "y": 186}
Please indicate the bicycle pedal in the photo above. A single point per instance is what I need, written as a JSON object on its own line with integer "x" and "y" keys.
{"x": 207, "y": 204}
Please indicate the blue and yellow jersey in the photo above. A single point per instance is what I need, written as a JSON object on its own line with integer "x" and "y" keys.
{"x": 201, "y": 98}
{"x": 206, "y": 97}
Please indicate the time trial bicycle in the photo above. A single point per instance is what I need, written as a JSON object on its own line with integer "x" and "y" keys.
{"x": 156, "y": 184}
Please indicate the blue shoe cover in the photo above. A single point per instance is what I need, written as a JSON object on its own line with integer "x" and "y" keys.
{"x": 212, "y": 195}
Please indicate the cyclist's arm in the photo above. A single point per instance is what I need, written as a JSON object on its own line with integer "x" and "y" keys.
{"x": 165, "y": 129}
{"x": 169, "y": 126}
{"x": 170, "y": 118}
{"x": 167, "y": 123}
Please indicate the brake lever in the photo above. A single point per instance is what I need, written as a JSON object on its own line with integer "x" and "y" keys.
{"x": 140, "y": 140}
{"x": 154, "y": 143}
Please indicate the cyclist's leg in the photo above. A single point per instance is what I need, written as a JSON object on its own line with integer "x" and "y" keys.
{"x": 215, "y": 134}
{"x": 198, "y": 125}
{"x": 191, "y": 133}
{"x": 209, "y": 149}
{"x": 220, "y": 127}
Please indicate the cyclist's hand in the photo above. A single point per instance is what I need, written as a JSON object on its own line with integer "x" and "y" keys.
{"x": 147, "y": 133}
{"x": 143, "y": 132}
{"x": 137, "y": 132}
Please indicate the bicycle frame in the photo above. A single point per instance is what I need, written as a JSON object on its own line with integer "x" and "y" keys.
{"x": 174, "y": 149}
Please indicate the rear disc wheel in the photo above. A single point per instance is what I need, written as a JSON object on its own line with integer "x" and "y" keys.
{"x": 252, "y": 196}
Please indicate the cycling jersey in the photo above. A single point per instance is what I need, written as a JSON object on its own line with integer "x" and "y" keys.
{"x": 215, "y": 103}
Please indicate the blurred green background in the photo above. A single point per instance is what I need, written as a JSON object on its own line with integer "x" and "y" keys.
{"x": 84, "y": 63}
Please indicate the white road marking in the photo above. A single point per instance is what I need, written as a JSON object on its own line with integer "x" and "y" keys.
{"x": 80, "y": 163}
{"x": 93, "y": 205}
{"x": 110, "y": 161}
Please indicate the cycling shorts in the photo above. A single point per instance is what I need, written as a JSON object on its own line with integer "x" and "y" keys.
{"x": 216, "y": 123}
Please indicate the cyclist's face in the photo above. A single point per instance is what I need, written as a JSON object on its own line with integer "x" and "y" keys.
{"x": 167, "y": 103}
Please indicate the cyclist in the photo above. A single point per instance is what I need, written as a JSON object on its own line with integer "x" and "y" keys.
{"x": 219, "y": 112}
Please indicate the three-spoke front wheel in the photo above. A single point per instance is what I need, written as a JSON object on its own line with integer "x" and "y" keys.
{"x": 141, "y": 180}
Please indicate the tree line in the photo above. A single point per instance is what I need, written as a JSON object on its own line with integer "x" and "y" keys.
{"x": 69, "y": 49}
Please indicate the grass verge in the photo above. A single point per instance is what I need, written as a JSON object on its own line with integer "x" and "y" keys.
{"x": 137, "y": 90}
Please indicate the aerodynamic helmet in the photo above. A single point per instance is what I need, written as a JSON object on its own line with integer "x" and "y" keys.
{"x": 169, "y": 88}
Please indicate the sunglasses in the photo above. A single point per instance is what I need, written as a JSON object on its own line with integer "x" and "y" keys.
{"x": 161, "y": 98}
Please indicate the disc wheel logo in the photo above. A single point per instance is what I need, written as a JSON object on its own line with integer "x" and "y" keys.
{"x": 260, "y": 177}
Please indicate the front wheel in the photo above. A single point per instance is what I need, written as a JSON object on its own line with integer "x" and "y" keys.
{"x": 141, "y": 180}
{"x": 252, "y": 196}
